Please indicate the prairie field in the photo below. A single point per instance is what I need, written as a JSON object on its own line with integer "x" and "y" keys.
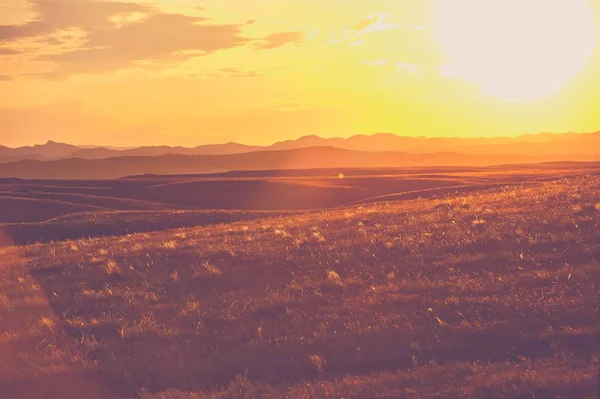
{"x": 34, "y": 211}
{"x": 484, "y": 293}
{"x": 270, "y": 199}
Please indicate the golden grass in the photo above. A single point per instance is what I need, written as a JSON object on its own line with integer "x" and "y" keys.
{"x": 416, "y": 298}
{"x": 46, "y": 323}
{"x": 334, "y": 278}
{"x": 171, "y": 244}
{"x": 112, "y": 268}
{"x": 5, "y": 303}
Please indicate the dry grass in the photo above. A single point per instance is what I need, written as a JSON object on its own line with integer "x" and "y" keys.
{"x": 5, "y": 302}
{"x": 112, "y": 268}
{"x": 46, "y": 323}
{"x": 171, "y": 244}
{"x": 205, "y": 269}
{"x": 487, "y": 295}
{"x": 334, "y": 278}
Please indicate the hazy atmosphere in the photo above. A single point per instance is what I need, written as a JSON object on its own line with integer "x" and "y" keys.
{"x": 184, "y": 72}
{"x": 300, "y": 199}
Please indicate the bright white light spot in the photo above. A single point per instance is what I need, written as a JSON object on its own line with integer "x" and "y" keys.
{"x": 516, "y": 49}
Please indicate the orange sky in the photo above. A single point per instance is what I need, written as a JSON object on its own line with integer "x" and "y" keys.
{"x": 183, "y": 72}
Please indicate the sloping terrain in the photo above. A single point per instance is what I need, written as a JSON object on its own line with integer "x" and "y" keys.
{"x": 15, "y": 209}
{"x": 493, "y": 294}
{"x": 39, "y": 210}
{"x": 300, "y": 158}
{"x": 34, "y": 201}
{"x": 114, "y": 223}
{"x": 563, "y": 146}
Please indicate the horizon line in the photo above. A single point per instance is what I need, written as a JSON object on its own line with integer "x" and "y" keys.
{"x": 131, "y": 147}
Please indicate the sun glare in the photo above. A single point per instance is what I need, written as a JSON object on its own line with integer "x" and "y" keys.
{"x": 516, "y": 49}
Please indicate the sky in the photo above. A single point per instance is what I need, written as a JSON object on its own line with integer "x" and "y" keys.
{"x": 187, "y": 72}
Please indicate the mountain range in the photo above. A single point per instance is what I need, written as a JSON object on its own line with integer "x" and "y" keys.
{"x": 586, "y": 143}
{"x": 60, "y": 160}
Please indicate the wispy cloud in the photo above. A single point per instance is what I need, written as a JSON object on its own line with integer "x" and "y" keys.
{"x": 118, "y": 35}
{"x": 279, "y": 39}
{"x": 235, "y": 73}
{"x": 53, "y": 16}
{"x": 374, "y": 23}
{"x": 382, "y": 62}
{"x": 369, "y": 24}
{"x": 403, "y": 66}
{"x": 9, "y": 51}
{"x": 406, "y": 66}
{"x": 117, "y": 48}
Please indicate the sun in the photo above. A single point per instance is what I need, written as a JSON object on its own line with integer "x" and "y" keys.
{"x": 516, "y": 49}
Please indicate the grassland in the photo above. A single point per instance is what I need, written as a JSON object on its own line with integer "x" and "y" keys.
{"x": 488, "y": 294}
{"x": 40, "y": 211}
{"x": 117, "y": 223}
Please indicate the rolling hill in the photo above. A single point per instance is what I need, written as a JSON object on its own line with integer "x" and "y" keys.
{"x": 41, "y": 210}
{"x": 570, "y": 146}
{"x": 303, "y": 158}
{"x": 490, "y": 295}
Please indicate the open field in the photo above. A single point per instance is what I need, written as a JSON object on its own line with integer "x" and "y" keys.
{"x": 287, "y": 199}
{"x": 40, "y": 211}
{"x": 114, "y": 223}
{"x": 482, "y": 294}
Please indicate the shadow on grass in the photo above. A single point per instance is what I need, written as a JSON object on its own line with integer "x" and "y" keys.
{"x": 195, "y": 317}
{"x": 120, "y": 223}
{"x": 213, "y": 347}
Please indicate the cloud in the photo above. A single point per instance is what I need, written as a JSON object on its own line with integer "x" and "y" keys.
{"x": 53, "y": 16}
{"x": 53, "y": 41}
{"x": 382, "y": 62}
{"x": 118, "y": 48}
{"x": 238, "y": 73}
{"x": 10, "y": 33}
{"x": 373, "y": 23}
{"x": 406, "y": 66}
{"x": 369, "y": 24}
{"x": 275, "y": 40}
{"x": 363, "y": 24}
{"x": 9, "y": 51}
{"x": 356, "y": 43}
{"x": 119, "y": 35}
{"x": 4, "y": 78}
{"x": 235, "y": 73}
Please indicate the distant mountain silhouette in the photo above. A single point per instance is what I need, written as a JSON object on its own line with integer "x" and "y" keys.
{"x": 536, "y": 144}
{"x": 566, "y": 146}
{"x": 51, "y": 150}
{"x": 303, "y": 158}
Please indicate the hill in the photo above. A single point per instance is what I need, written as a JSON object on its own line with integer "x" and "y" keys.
{"x": 567, "y": 146}
{"x": 102, "y": 223}
{"x": 37, "y": 201}
{"x": 478, "y": 296}
{"x": 531, "y": 144}
{"x": 50, "y": 150}
{"x": 304, "y": 158}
